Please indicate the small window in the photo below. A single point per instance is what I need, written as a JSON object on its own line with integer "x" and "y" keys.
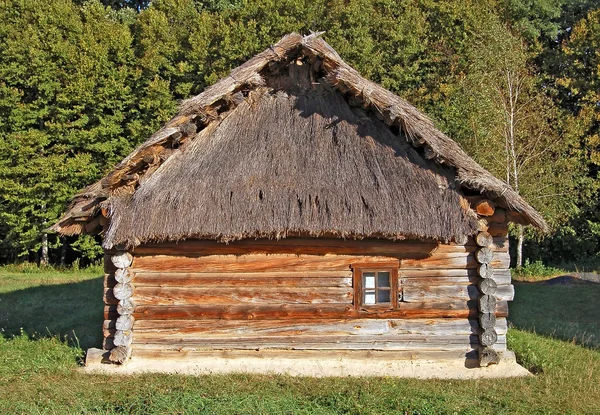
{"x": 375, "y": 287}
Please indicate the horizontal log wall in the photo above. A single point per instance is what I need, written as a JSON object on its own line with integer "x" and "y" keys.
{"x": 298, "y": 293}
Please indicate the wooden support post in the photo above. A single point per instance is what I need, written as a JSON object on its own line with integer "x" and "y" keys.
{"x": 487, "y": 287}
{"x": 122, "y": 291}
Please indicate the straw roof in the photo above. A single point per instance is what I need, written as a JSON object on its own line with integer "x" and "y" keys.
{"x": 293, "y": 142}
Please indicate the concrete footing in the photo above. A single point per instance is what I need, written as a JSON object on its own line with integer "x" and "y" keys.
{"x": 422, "y": 365}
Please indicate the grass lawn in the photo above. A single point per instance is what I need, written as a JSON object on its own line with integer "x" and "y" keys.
{"x": 48, "y": 319}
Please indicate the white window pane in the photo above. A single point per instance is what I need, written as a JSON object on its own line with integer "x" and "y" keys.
{"x": 369, "y": 280}
{"x": 369, "y": 298}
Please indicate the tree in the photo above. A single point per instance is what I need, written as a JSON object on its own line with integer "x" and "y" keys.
{"x": 65, "y": 100}
{"x": 505, "y": 119}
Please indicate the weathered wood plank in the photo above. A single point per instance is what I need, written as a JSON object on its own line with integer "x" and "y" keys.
{"x": 110, "y": 312}
{"x": 109, "y": 281}
{"x": 429, "y": 276}
{"x": 450, "y": 261}
{"x": 424, "y": 293}
{"x": 304, "y": 246}
{"x": 242, "y": 295}
{"x": 448, "y": 309}
{"x": 252, "y": 263}
{"x": 356, "y": 327}
{"x": 318, "y": 342}
{"x": 212, "y": 279}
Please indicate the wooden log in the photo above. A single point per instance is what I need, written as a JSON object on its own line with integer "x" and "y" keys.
{"x": 119, "y": 354}
{"x": 488, "y": 337}
{"x": 448, "y": 309}
{"x": 485, "y": 207}
{"x": 438, "y": 293}
{"x": 487, "y": 320}
{"x": 242, "y": 295}
{"x": 485, "y": 271}
{"x": 484, "y": 239}
{"x": 109, "y": 324}
{"x": 484, "y": 255}
{"x": 123, "y": 291}
{"x": 109, "y": 281}
{"x": 109, "y": 267}
{"x": 110, "y": 312}
{"x": 454, "y": 261}
{"x": 147, "y": 329}
{"x": 487, "y": 286}
{"x": 109, "y": 297}
{"x": 488, "y": 356}
{"x": 121, "y": 260}
{"x": 224, "y": 279}
{"x": 429, "y": 276}
{"x": 254, "y": 263}
{"x": 124, "y": 322}
{"x": 126, "y": 307}
{"x": 482, "y": 225}
{"x": 123, "y": 275}
{"x": 123, "y": 338}
{"x": 298, "y": 246}
{"x": 350, "y": 327}
{"x": 487, "y": 304}
{"x": 389, "y": 342}
{"x": 306, "y": 344}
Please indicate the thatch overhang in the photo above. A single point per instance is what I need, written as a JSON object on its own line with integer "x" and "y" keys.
{"x": 293, "y": 142}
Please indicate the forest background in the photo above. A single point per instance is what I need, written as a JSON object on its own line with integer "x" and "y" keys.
{"x": 515, "y": 82}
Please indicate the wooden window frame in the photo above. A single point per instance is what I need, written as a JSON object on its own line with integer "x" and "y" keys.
{"x": 359, "y": 269}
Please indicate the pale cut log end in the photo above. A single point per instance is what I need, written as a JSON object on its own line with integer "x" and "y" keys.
{"x": 123, "y": 275}
{"x": 123, "y": 338}
{"x": 485, "y": 271}
{"x": 482, "y": 225}
{"x": 122, "y": 259}
{"x": 124, "y": 322}
{"x": 123, "y": 291}
{"x": 125, "y": 307}
{"x": 485, "y": 207}
{"x": 484, "y": 239}
{"x": 488, "y": 356}
{"x": 119, "y": 354}
{"x": 484, "y": 255}
{"x": 487, "y": 286}
{"x": 488, "y": 337}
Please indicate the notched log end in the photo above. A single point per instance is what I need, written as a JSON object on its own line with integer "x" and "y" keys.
{"x": 119, "y": 354}
{"x": 488, "y": 356}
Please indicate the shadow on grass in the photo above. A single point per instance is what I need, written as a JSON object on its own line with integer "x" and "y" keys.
{"x": 563, "y": 308}
{"x": 72, "y": 310}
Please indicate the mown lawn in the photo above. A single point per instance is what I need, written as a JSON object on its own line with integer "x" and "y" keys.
{"x": 38, "y": 371}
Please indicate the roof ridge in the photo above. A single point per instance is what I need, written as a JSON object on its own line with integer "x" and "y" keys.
{"x": 197, "y": 112}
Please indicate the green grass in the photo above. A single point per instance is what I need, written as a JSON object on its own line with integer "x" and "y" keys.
{"x": 38, "y": 371}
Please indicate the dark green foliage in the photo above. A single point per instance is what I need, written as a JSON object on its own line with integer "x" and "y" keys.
{"x": 84, "y": 82}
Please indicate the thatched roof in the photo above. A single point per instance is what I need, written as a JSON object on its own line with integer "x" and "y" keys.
{"x": 293, "y": 142}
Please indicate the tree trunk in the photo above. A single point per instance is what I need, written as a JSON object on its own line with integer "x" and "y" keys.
{"x": 520, "y": 246}
{"x": 63, "y": 251}
{"x": 44, "y": 254}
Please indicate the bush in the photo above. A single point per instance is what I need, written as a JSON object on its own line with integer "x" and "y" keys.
{"x": 535, "y": 270}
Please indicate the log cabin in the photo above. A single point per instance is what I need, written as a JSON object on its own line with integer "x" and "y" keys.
{"x": 296, "y": 206}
